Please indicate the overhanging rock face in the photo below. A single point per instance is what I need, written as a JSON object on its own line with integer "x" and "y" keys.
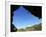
{"x": 34, "y": 10}
{"x": 23, "y": 17}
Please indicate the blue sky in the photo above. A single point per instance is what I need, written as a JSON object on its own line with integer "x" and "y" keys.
{"x": 23, "y": 18}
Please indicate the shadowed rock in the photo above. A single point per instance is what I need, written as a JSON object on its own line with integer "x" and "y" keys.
{"x": 35, "y": 10}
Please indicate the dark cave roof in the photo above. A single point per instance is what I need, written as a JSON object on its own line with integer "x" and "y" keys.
{"x": 35, "y": 10}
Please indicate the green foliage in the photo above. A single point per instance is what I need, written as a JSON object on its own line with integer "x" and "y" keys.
{"x": 21, "y": 29}
{"x": 32, "y": 28}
